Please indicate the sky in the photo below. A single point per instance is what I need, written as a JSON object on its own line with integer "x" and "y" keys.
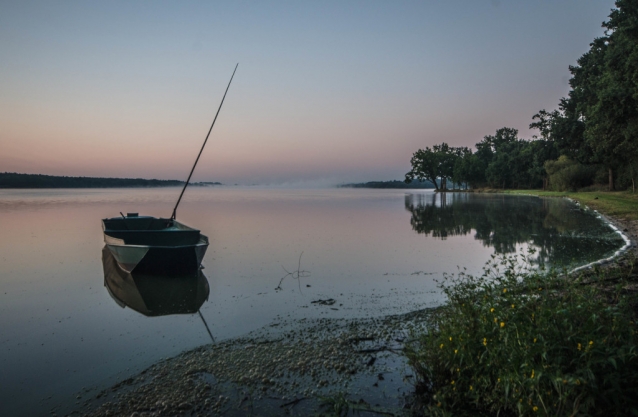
{"x": 326, "y": 92}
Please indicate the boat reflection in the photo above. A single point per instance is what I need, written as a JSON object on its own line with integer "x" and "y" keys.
{"x": 154, "y": 295}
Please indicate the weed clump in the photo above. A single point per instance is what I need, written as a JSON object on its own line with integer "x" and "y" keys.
{"x": 520, "y": 341}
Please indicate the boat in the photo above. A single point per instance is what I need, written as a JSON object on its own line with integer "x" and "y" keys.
{"x": 164, "y": 246}
{"x": 145, "y": 244}
{"x": 154, "y": 295}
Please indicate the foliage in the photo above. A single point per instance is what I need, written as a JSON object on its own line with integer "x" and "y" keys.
{"x": 501, "y": 160}
{"x": 434, "y": 163}
{"x": 598, "y": 121}
{"x": 568, "y": 175}
{"x": 515, "y": 341}
{"x": 337, "y": 405}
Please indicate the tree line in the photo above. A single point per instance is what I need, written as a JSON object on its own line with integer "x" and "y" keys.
{"x": 591, "y": 138}
{"x": 15, "y": 180}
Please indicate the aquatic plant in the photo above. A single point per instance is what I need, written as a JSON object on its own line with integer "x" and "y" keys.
{"x": 518, "y": 341}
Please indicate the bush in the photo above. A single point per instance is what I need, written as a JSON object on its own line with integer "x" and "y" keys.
{"x": 519, "y": 342}
{"x": 567, "y": 175}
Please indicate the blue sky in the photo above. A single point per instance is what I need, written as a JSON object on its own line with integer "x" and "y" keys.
{"x": 325, "y": 92}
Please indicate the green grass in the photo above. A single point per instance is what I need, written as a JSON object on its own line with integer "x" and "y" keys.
{"x": 619, "y": 204}
{"x": 518, "y": 342}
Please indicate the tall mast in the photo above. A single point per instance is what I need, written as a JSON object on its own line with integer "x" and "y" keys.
{"x": 200, "y": 151}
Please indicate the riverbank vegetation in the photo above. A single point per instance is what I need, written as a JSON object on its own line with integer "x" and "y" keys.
{"x": 619, "y": 204}
{"x": 516, "y": 341}
{"x": 590, "y": 139}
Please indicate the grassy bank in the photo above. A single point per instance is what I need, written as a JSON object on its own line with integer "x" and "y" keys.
{"x": 621, "y": 204}
{"x": 517, "y": 342}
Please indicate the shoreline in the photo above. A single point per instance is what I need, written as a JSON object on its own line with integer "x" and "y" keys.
{"x": 301, "y": 366}
{"x": 629, "y": 243}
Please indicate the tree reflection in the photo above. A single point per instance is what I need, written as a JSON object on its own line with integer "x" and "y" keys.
{"x": 561, "y": 232}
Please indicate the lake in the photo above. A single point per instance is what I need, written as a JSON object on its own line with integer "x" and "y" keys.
{"x": 363, "y": 252}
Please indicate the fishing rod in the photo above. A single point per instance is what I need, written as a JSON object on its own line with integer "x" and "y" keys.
{"x": 200, "y": 151}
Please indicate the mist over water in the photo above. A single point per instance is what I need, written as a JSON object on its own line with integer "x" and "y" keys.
{"x": 375, "y": 252}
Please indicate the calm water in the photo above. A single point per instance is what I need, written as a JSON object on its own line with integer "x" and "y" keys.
{"x": 64, "y": 334}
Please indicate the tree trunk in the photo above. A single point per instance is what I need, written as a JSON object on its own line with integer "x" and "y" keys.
{"x": 436, "y": 187}
{"x": 611, "y": 180}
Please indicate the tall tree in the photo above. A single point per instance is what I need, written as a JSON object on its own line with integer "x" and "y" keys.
{"x": 598, "y": 121}
{"x": 436, "y": 163}
{"x": 425, "y": 166}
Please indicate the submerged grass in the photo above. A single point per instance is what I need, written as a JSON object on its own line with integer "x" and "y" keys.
{"x": 515, "y": 341}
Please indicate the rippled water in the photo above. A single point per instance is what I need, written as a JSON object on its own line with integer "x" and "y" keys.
{"x": 65, "y": 334}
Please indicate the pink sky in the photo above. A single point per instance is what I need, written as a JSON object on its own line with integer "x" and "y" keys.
{"x": 328, "y": 92}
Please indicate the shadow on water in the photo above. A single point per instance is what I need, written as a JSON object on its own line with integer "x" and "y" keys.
{"x": 559, "y": 230}
{"x": 155, "y": 295}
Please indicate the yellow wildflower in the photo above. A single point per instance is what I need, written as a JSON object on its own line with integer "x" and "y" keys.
{"x": 502, "y": 324}
{"x": 471, "y": 388}
{"x": 452, "y": 382}
{"x": 450, "y": 339}
{"x": 591, "y": 342}
{"x": 579, "y": 347}
{"x": 455, "y": 351}
{"x": 532, "y": 376}
{"x": 535, "y": 409}
{"x": 513, "y": 305}
{"x": 534, "y": 340}
{"x": 484, "y": 341}
{"x": 492, "y": 310}
{"x": 504, "y": 290}
{"x": 441, "y": 347}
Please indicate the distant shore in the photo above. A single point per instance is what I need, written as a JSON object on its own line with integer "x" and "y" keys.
{"x": 15, "y": 180}
{"x": 390, "y": 184}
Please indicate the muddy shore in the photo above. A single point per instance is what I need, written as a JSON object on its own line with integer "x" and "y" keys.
{"x": 296, "y": 367}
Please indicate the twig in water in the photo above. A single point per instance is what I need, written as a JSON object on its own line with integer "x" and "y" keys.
{"x": 299, "y": 273}
{"x": 293, "y": 402}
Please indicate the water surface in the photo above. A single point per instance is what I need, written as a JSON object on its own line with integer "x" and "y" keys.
{"x": 374, "y": 252}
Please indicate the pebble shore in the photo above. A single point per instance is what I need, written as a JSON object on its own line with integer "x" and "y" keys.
{"x": 300, "y": 367}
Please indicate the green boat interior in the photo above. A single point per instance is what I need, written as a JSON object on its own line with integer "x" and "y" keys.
{"x": 151, "y": 231}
